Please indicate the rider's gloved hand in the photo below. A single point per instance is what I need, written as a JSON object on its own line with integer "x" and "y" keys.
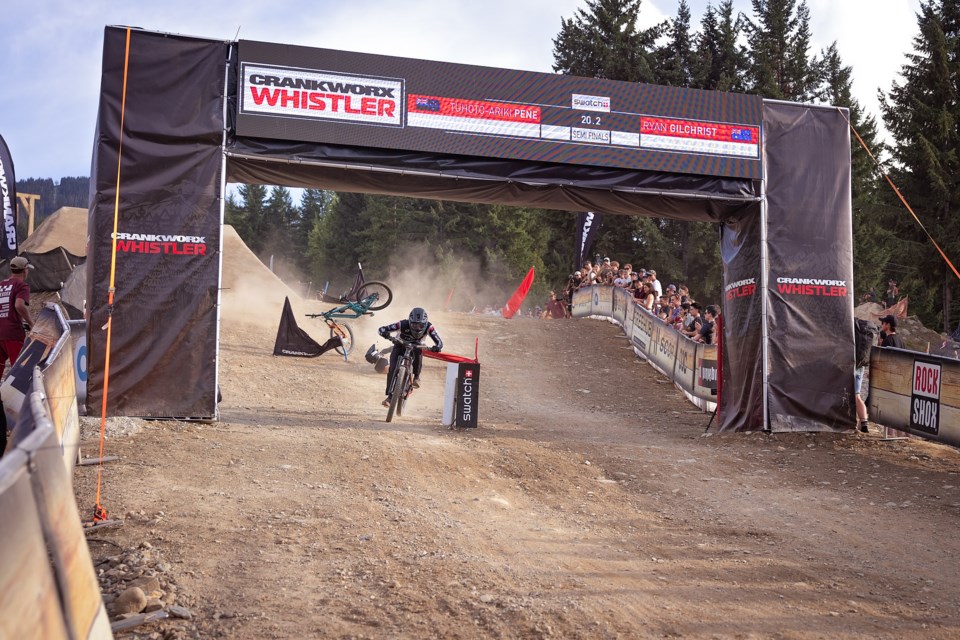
{"x": 435, "y": 349}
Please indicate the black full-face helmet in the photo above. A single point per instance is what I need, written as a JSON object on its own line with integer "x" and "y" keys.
{"x": 418, "y": 321}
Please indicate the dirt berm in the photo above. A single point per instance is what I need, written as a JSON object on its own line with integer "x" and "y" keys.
{"x": 587, "y": 505}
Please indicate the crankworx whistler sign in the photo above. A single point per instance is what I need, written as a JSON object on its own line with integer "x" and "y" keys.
{"x": 336, "y": 97}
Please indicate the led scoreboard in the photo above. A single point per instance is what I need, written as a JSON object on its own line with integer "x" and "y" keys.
{"x": 353, "y": 99}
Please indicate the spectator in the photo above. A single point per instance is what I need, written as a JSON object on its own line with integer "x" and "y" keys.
{"x": 14, "y": 317}
{"x": 657, "y": 287}
{"x": 888, "y": 328}
{"x": 705, "y": 334}
{"x": 556, "y": 309}
{"x": 892, "y": 296}
{"x": 647, "y": 298}
{"x": 691, "y": 326}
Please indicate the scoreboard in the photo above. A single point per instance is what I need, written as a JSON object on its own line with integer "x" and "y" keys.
{"x": 354, "y": 99}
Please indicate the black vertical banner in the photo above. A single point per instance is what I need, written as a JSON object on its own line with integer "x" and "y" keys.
{"x": 588, "y": 224}
{"x": 164, "y": 315}
{"x": 8, "y": 192}
{"x": 741, "y": 400}
{"x": 468, "y": 395}
{"x": 810, "y": 268}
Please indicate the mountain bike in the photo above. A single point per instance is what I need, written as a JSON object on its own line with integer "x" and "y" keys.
{"x": 370, "y": 296}
{"x": 401, "y": 386}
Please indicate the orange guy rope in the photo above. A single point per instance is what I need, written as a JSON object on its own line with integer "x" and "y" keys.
{"x": 899, "y": 195}
{"x": 99, "y": 512}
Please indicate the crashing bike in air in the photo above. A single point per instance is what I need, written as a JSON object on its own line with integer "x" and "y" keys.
{"x": 409, "y": 334}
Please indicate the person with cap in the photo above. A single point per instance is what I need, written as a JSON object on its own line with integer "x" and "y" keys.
{"x": 888, "y": 327}
{"x": 15, "y": 318}
{"x": 657, "y": 287}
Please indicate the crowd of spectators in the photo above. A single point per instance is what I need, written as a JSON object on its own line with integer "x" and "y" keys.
{"x": 674, "y": 305}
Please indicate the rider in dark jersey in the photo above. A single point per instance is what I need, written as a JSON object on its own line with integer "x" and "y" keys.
{"x": 413, "y": 329}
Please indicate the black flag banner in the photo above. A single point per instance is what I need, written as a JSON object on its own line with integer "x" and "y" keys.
{"x": 588, "y": 224}
{"x": 8, "y": 191}
{"x": 294, "y": 341}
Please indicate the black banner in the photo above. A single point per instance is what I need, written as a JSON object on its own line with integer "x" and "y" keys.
{"x": 810, "y": 344}
{"x": 164, "y": 315}
{"x": 588, "y": 225}
{"x": 467, "y": 395}
{"x": 8, "y": 193}
{"x": 294, "y": 341}
{"x": 741, "y": 400}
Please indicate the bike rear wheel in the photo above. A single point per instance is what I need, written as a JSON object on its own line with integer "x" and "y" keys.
{"x": 384, "y": 294}
{"x": 396, "y": 397}
{"x": 345, "y": 333}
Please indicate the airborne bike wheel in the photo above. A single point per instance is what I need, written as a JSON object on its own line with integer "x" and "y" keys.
{"x": 384, "y": 295}
{"x": 395, "y": 397}
{"x": 345, "y": 333}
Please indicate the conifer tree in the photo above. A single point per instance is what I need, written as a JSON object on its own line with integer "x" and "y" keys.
{"x": 603, "y": 41}
{"x": 779, "y": 38}
{"x": 922, "y": 114}
{"x": 721, "y": 61}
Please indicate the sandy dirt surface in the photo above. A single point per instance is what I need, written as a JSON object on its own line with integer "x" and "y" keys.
{"x": 589, "y": 504}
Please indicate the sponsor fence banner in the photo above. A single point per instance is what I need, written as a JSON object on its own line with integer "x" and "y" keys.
{"x": 663, "y": 355}
{"x": 46, "y": 573}
{"x": 685, "y": 369}
{"x": 692, "y": 366}
{"x": 915, "y": 392}
{"x": 581, "y": 302}
{"x": 78, "y": 331}
{"x": 621, "y": 300}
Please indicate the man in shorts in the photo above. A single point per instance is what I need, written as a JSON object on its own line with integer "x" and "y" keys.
{"x": 14, "y": 316}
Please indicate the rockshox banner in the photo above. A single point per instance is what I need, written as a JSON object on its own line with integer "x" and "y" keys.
{"x": 163, "y": 360}
{"x": 8, "y": 201}
{"x": 810, "y": 345}
{"x": 916, "y": 392}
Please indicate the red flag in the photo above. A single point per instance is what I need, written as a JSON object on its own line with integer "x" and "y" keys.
{"x": 513, "y": 304}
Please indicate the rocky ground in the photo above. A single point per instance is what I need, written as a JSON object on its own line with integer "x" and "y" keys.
{"x": 589, "y": 504}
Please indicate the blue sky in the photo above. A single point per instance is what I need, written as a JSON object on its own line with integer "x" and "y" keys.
{"x": 51, "y": 49}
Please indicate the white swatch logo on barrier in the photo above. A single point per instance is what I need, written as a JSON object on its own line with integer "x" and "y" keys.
{"x": 925, "y": 398}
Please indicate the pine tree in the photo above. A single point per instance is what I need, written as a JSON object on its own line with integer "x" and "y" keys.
{"x": 676, "y": 59}
{"x": 922, "y": 115}
{"x": 602, "y": 41}
{"x": 779, "y": 37}
{"x": 721, "y": 62}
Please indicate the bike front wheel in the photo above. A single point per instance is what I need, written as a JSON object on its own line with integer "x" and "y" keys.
{"x": 396, "y": 398}
{"x": 382, "y": 291}
{"x": 345, "y": 333}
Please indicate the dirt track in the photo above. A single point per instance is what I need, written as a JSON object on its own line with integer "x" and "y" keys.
{"x": 588, "y": 505}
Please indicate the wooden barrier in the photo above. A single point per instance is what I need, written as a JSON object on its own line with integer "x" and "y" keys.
{"x": 915, "y": 392}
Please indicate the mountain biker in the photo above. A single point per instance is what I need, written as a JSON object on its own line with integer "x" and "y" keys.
{"x": 413, "y": 329}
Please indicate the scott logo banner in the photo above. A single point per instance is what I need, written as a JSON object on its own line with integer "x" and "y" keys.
{"x": 8, "y": 201}
{"x": 323, "y": 95}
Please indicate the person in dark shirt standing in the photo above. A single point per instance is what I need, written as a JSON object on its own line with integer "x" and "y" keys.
{"x": 888, "y": 325}
{"x": 14, "y": 317}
